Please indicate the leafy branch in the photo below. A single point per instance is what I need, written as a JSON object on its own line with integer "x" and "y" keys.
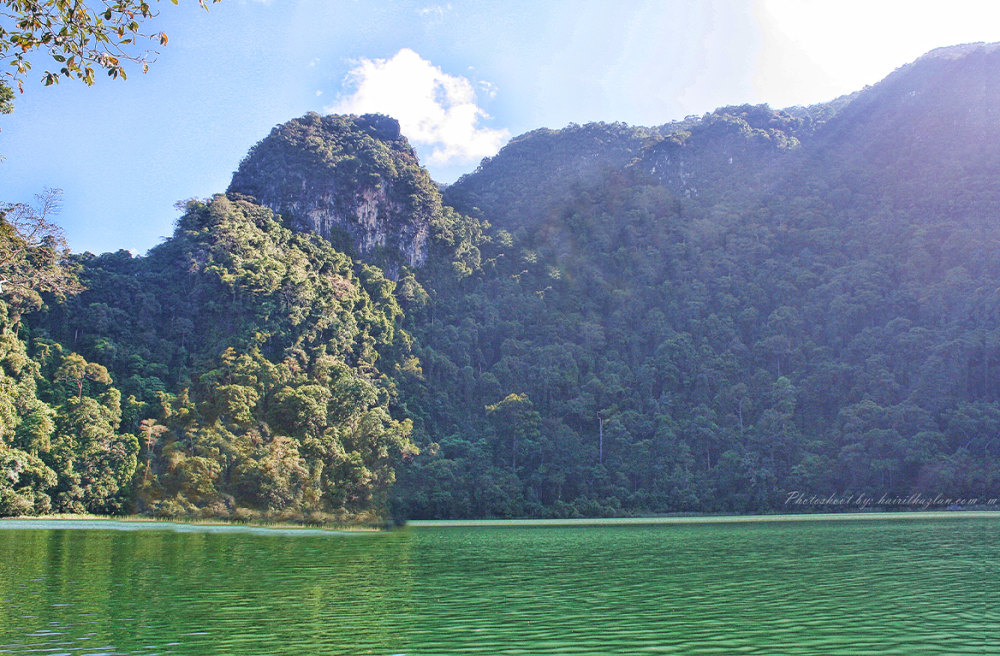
{"x": 33, "y": 254}
{"x": 81, "y": 39}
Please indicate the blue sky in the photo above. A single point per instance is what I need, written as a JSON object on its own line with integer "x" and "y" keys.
{"x": 462, "y": 77}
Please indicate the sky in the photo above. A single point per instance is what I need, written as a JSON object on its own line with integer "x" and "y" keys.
{"x": 462, "y": 77}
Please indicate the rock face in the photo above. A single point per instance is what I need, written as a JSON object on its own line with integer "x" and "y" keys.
{"x": 549, "y": 163}
{"x": 355, "y": 180}
{"x": 732, "y": 150}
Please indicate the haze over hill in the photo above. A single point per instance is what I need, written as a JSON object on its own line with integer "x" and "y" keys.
{"x": 700, "y": 316}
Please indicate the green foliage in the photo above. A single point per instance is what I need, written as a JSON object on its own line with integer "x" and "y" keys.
{"x": 771, "y": 320}
{"x": 6, "y": 98}
{"x": 354, "y": 180}
{"x": 33, "y": 255}
{"x": 61, "y": 449}
{"x": 251, "y": 358}
{"x": 78, "y": 38}
{"x": 550, "y": 162}
{"x": 703, "y": 316}
{"x": 24, "y": 480}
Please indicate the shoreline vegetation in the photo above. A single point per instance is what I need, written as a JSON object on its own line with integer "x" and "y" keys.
{"x": 112, "y": 522}
{"x": 714, "y": 519}
{"x": 372, "y": 526}
{"x": 718, "y": 315}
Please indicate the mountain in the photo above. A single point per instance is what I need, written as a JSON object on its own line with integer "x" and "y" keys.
{"x": 354, "y": 180}
{"x": 707, "y": 315}
{"x": 546, "y": 161}
{"x": 717, "y": 313}
{"x": 925, "y": 135}
{"x": 234, "y": 371}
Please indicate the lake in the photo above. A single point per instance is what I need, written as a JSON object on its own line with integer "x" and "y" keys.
{"x": 904, "y": 584}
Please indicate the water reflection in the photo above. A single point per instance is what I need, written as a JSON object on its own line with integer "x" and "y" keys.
{"x": 200, "y": 593}
{"x": 894, "y": 587}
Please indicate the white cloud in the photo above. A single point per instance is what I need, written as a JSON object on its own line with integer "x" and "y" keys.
{"x": 436, "y": 11}
{"x": 434, "y": 109}
{"x": 488, "y": 88}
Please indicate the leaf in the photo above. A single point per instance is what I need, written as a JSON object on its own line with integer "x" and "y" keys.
{"x": 163, "y": 38}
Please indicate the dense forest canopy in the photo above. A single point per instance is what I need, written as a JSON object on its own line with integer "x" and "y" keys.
{"x": 706, "y": 316}
{"x": 244, "y": 376}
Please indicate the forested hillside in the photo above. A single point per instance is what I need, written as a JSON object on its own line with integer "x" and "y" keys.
{"x": 700, "y": 316}
{"x": 246, "y": 355}
{"x": 759, "y": 302}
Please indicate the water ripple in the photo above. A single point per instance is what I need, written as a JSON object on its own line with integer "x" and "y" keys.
{"x": 782, "y": 588}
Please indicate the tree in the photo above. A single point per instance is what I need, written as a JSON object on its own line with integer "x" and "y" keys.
{"x": 6, "y": 96}
{"x": 6, "y": 102}
{"x": 150, "y": 432}
{"x": 94, "y": 462}
{"x": 23, "y": 481}
{"x": 77, "y": 370}
{"x": 516, "y": 420}
{"x": 79, "y": 38}
{"x": 33, "y": 255}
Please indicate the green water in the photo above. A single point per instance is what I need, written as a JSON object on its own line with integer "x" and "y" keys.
{"x": 896, "y": 586}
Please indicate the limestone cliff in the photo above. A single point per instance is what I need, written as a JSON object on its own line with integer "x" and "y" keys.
{"x": 508, "y": 188}
{"x": 355, "y": 180}
{"x": 733, "y": 150}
